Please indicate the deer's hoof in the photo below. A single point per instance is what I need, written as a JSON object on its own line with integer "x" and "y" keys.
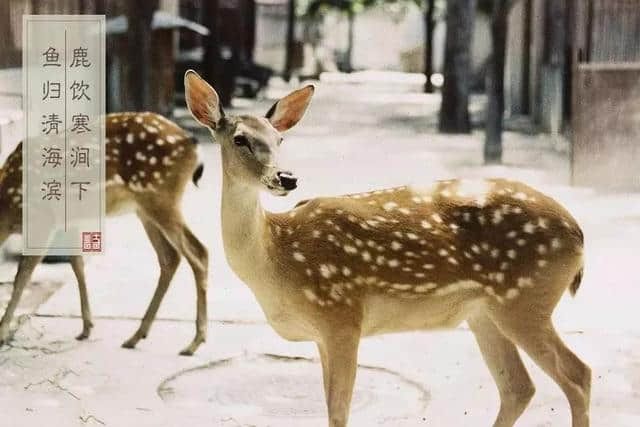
{"x": 187, "y": 352}
{"x": 130, "y": 343}
{"x": 83, "y": 336}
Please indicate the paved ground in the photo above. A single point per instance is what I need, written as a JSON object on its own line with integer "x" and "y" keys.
{"x": 357, "y": 136}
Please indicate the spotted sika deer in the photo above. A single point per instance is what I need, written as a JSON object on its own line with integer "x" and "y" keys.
{"x": 149, "y": 162}
{"x": 495, "y": 253}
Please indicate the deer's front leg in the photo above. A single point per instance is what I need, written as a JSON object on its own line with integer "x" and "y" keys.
{"x": 339, "y": 355}
{"x": 77, "y": 264}
{"x": 25, "y": 269}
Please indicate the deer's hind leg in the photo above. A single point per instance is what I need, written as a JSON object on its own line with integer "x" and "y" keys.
{"x": 539, "y": 339}
{"x": 503, "y": 360}
{"x": 170, "y": 222}
{"x": 168, "y": 259}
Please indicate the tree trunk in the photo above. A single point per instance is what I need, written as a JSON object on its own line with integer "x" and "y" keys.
{"x": 553, "y": 83}
{"x": 213, "y": 69}
{"x": 349, "y": 59}
{"x": 454, "y": 113}
{"x": 429, "y": 24}
{"x": 137, "y": 93}
{"x": 495, "y": 82}
{"x": 291, "y": 26}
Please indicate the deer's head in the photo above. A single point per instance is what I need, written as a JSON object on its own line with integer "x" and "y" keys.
{"x": 249, "y": 144}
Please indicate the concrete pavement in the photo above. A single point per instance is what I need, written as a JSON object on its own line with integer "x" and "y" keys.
{"x": 358, "y": 135}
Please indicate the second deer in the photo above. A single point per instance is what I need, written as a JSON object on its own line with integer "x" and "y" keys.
{"x": 149, "y": 162}
{"x": 495, "y": 253}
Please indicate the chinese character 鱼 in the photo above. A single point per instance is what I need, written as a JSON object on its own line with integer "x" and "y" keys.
{"x": 79, "y": 156}
{"x": 81, "y": 187}
{"x": 52, "y": 156}
{"x": 80, "y": 123}
{"x": 51, "y": 57}
{"x": 79, "y": 90}
{"x": 50, "y": 90}
{"x": 51, "y": 190}
{"x": 80, "y": 58}
{"x": 51, "y": 123}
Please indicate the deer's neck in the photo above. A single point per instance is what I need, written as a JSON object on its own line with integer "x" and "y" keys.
{"x": 243, "y": 226}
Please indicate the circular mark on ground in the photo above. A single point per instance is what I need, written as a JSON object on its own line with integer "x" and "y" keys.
{"x": 276, "y": 386}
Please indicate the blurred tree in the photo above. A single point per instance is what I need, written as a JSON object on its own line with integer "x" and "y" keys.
{"x": 213, "y": 69}
{"x": 291, "y": 24}
{"x": 495, "y": 80}
{"x": 351, "y": 8}
{"x": 137, "y": 96}
{"x": 429, "y": 24}
{"x": 454, "y": 112}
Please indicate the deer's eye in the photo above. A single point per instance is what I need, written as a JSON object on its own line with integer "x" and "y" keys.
{"x": 242, "y": 141}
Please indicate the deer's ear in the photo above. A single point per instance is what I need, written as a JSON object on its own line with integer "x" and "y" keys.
{"x": 202, "y": 100}
{"x": 288, "y": 111}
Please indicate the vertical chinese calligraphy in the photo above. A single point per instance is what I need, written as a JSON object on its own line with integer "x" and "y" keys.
{"x": 63, "y": 83}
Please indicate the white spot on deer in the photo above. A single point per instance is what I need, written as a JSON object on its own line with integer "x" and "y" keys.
{"x": 316, "y": 233}
{"x": 520, "y": 196}
{"x": 156, "y": 174}
{"x": 529, "y": 228}
{"x": 437, "y": 218}
{"x": 555, "y": 243}
{"x": 129, "y": 138}
{"x": 325, "y": 271}
{"x": 443, "y": 252}
{"x": 477, "y": 267}
{"x": 497, "y": 216}
{"x": 425, "y": 288}
{"x": 504, "y": 265}
{"x": 475, "y": 248}
{"x": 517, "y": 210}
{"x": 389, "y": 206}
{"x": 521, "y": 242}
{"x": 311, "y": 296}
{"x": 542, "y": 263}
{"x": 350, "y": 249}
{"x": 366, "y": 256}
{"x": 525, "y": 282}
{"x": 138, "y": 119}
{"x": 396, "y": 246}
{"x": 512, "y": 293}
{"x": 412, "y": 236}
{"x": 452, "y": 260}
{"x": 393, "y": 263}
{"x": 309, "y": 272}
{"x": 346, "y": 271}
{"x": 152, "y": 160}
{"x": 511, "y": 253}
{"x": 380, "y": 260}
{"x": 543, "y": 223}
{"x": 495, "y": 253}
{"x": 167, "y": 161}
{"x": 542, "y": 249}
{"x": 140, "y": 156}
{"x": 499, "y": 277}
{"x": 171, "y": 139}
{"x": 512, "y": 234}
{"x": 160, "y": 141}
{"x": 142, "y": 135}
{"x": 298, "y": 256}
{"x": 401, "y": 286}
{"x": 151, "y": 129}
{"x": 425, "y": 224}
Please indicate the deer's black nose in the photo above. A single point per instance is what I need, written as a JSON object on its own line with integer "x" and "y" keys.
{"x": 287, "y": 180}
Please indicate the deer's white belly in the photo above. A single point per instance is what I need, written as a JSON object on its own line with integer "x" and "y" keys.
{"x": 386, "y": 315}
